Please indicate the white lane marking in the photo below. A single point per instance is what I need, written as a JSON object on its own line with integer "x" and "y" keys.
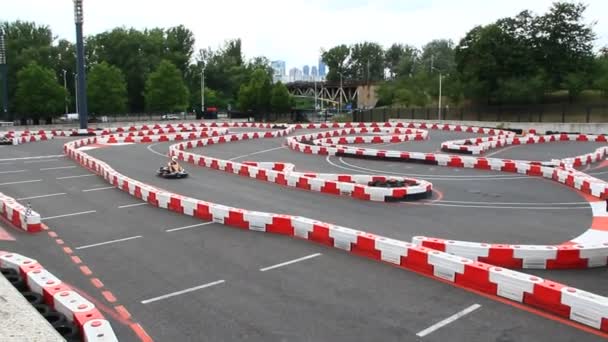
{"x": 501, "y": 150}
{"x": 503, "y": 207}
{"x": 109, "y": 242}
{"x": 57, "y": 168}
{"x": 37, "y": 157}
{"x": 40, "y": 161}
{"x": 41, "y": 196}
{"x": 517, "y": 203}
{"x": 448, "y": 320}
{"x": 66, "y": 215}
{"x": 290, "y": 262}
{"x": 156, "y": 152}
{"x": 173, "y": 294}
{"x": 188, "y": 227}
{"x": 78, "y": 176}
{"x": 258, "y": 152}
{"x": 13, "y": 171}
{"x": 7, "y": 163}
{"x": 21, "y": 182}
{"x": 131, "y": 205}
{"x": 97, "y": 189}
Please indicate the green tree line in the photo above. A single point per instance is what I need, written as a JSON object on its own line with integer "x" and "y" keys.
{"x": 517, "y": 59}
{"x": 130, "y": 71}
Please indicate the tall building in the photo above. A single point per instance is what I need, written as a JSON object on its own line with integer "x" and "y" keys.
{"x": 278, "y": 68}
{"x": 295, "y": 74}
{"x": 322, "y": 68}
{"x": 314, "y": 73}
{"x": 306, "y": 71}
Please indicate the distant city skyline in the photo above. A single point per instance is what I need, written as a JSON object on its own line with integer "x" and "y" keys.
{"x": 284, "y": 72}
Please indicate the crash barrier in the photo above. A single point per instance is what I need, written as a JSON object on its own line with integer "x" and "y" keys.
{"x": 555, "y": 298}
{"x": 74, "y": 317}
{"x": 555, "y": 170}
{"x": 482, "y": 144}
{"x": 365, "y": 187}
{"x": 18, "y": 215}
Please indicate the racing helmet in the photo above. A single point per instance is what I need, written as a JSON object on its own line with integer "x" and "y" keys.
{"x": 174, "y": 158}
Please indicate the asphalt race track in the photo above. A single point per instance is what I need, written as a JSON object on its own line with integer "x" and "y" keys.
{"x": 182, "y": 279}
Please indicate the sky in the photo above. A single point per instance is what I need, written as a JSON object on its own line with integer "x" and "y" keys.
{"x": 291, "y": 30}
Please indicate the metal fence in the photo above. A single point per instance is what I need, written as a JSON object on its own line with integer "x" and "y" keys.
{"x": 533, "y": 113}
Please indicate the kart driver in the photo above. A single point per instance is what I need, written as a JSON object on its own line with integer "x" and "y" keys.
{"x": 174, "y": 165}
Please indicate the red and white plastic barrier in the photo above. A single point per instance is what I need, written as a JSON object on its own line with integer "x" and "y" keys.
{"x": 18, "y": 215}
{"x": 91, "y": 323}
{"x": 577, "y": 305}
{"x": 357, "y": 186}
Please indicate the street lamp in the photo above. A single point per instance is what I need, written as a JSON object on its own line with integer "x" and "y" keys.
{"x": 65, "y": 88}
{"x": 340, "y": 93}
{"x": 4, "y": 75}
{"x": 440, "y": 87}
{"x": 81, "y": 87}
{"x": 203, "y": 90}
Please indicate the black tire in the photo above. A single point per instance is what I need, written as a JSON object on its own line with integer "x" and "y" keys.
{"x": 56, "y": 318}
{"x": 43, "y": 309}
{"x": 8, "y": 271}
{"x": 17, "y": 282}
{"x": 33, "y": 297}
{"x": 69, "y": 332}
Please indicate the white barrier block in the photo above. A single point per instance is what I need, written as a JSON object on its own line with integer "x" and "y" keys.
{"x": 98, "y": 330}
{"x": 39, "y": 279}
{"x": 585, "y": 307}
{"x": 445, "y": 266}
{"x": 257, "y": 220}
{"x": 535, "y": 256}
{"x": 470, "y": 250}
{"x": 219, "y": 212}
{"x": 511, "y": 284}
{"x": 343, "y": 237}
{"x": 392, "y": 250}
{"x": 70, "y": 302}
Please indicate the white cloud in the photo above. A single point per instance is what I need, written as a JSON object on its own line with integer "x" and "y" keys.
{"x": 292, "y": 30}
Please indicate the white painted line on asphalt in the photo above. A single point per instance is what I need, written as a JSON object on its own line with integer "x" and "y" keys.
{"x": 22, "y": 182}
{"x": 7, "y": 163}
{"x": 79, "y": 176}
{"x": 148, "y": 301}
{"x": 41, "y": 196}
{"x": 109, "y": 242}
{"x": 37, "y": 157}
{"x": 188, "y": 227}
{"x": 97, "y": 189}
{"x": 290, "y": 262}
{"x": 132, "y": 205}
{"x": 40, "y": 161}
{"x": 501, "y": 150}
{"x": 258, "y": 152}
{"x": 12, "y": 171}
{"x": 66, "y": 215}
{"x": 154, "y": 151}
{"x": 448, "y": 320}
{"x": 57, "y": 168}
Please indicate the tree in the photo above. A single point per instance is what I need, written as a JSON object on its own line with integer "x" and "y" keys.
{"x": 255, "y": 95}
{"x": 601, "y": 74}
{"x": 280, "y": 99}
{"x": 565, "y": 42}
{"x": 575, "y": 83}
{"x": 438, "y": 54}
{"x": 165, "y": 90}
{"x": 38, "y": 93}
{"x": 336, "y": 60}
{"x": 107, "y": 89}
{"x": 366, "y": 62}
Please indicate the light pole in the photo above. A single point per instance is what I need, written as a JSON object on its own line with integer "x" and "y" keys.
{"x": 76, "y": 89}
{"x": 203, "y": 90}
{"x": 82, "y": 86}
{"x": 4, "y": 76}
{"x": 65, "y": 88}
{"x": 340, "y": 94}
{"x": 439, "y": 102}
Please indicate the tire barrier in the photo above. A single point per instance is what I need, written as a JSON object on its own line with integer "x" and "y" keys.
{"x": 555, "y": 298}
{"x": 18, "y": 215}
{"x": 74, "y": 317}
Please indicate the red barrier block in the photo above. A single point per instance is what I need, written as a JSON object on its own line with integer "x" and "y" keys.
{"x": 568, "y": 257}
{"x": 303, "y": 183}
{"x": 477, "y": 276}
{"x": 280, "y": 179}
{"x": 502, "y": 255}
{"x": 359, "y": 192}
{"x": 202, "y": 211}
{"x": 175, "y": 204}
{"x": 548, "y": 296}
{"x": 436, "y": 244}
{"x": 320, "y": 234}
{"x": 236, "y": 219}
{"x": 417, "y": 260}
{"x": 281, "y": 224}
{"x": 366, "y": 246}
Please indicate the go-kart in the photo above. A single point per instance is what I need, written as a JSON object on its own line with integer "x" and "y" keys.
{"x": 166, "y": 173}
